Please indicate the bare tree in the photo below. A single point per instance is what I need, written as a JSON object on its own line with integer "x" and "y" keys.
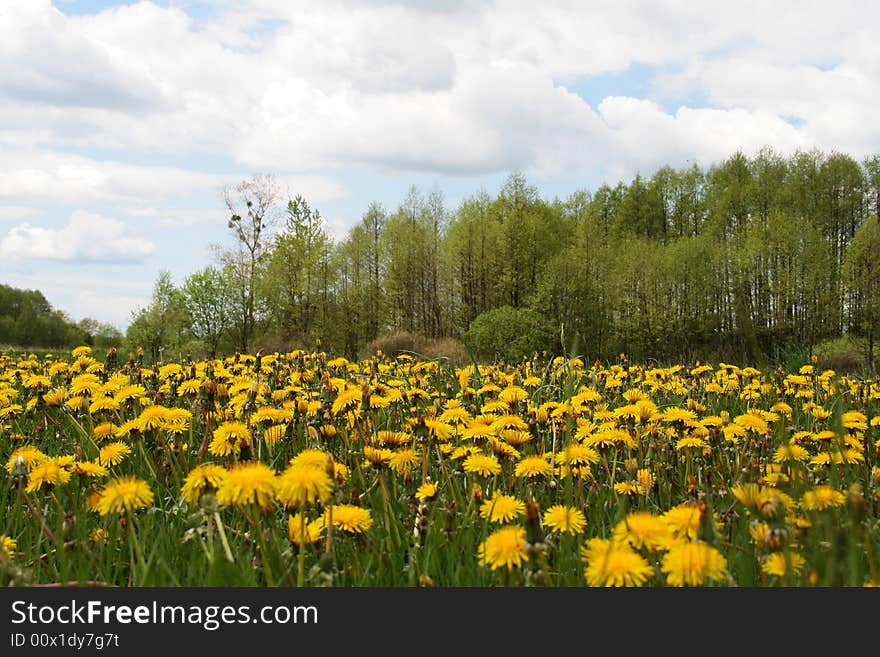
{"x": 253, "y": 213}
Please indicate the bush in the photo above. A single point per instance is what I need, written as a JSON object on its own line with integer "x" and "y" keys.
{"x": 404, "y": 342}
{"x": 843, "y": 354}
{"x": 511, "y": 334}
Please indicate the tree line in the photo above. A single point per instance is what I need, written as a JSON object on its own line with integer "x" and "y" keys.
{"x": 736, "y": 260}
{"x": 27, "y": 319}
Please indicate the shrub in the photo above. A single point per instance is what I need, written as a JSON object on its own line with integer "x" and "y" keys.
{"x": 404, "y": 342}
{"x": 511, "y": 334}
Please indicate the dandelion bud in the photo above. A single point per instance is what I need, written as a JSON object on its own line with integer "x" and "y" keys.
{"x": 631, "y": 465}
{"x": 856, "y": 502}
{"x": 773, "y": 508}
{"x": 19, "y": 467}
{"x": 777, "y": 538}
{"x": 208, "y": 503}
{"x": 534, "y": 532}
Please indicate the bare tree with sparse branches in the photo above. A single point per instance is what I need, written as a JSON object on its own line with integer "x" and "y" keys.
{"x": 254, "y": 210}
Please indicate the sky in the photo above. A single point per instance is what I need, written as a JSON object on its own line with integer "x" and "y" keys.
{"x": 122, "y": 122}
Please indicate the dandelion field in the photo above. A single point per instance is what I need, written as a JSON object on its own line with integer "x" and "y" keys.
{"x": 300, "y": 469}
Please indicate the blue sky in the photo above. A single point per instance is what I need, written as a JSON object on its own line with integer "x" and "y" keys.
{"x": 121, "y": 122}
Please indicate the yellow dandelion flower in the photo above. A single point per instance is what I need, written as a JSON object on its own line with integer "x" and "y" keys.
{"x": 426, "y": 491}
{"x": 303, "y": 484}
{"x": 477, "y": 429}
{"x": 126, "y": 429}
{"x": 690, "y": 441}
{"x": 456, "y": 416}
{"x": 29, "y": 455}
{"x": 349, "y": 518}
{"x": 99, "y": 535}
{"x": 251, "y": 482}
{"x": 614, "y": 564}
{"x": 510, "y": 421}
{"x": 855, "y": 420}
{"x": 12, "y": 409}
{"x": 782, "y": 563}
{"x": 643, "y": 529}
{"x": 439, "y": 430}
{"x": 347, "y": 400}
{"x": 502, "y": 508}
{"x": 313, "y": 457}
{"x": 563, "y": 519}
{"x": 403, "y": 461}
{"x": 628, "y": 488}
{"x": 378, "y": 455}
{"x": 753, "y": 496}
{"x": 781, "y": 407}
{"x": 313, "y": 530}
{"x": 791, "y": 452}
{"x": 274, "y": 433}
{"x": 732, "y": 433}
{"x": 89, "y": 469}
{"x": 49, "y": 472}
{"x": 124, "y": 493}
{"x": 752, "y": 423}
{"x": 513, "y": 437}
{"x": 684, "y": 520}
{"x": 504, "y": 548}
{"x": 103, "y": 431}
{"x": 177, "y": 420}
{"x": 103, "y": 403}
{"x": 681, "y": 415}
{"x": 482, "y": 464}
{"x": 112, "y": 453}
{"x": 8, "y": 546}
{"x": 84, "y": 385}
{"x": 577, "y": 454}
{"x": 693, "y": 563}
{"x": 202, "y": 478}
{"x": 822, "y": 497}
{"x": 533, "y": 466}
{"x": 229, "y": 438}
{"x": 512, "y": 394}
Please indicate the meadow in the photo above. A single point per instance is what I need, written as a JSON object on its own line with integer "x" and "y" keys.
{"x": 304, "y": 469}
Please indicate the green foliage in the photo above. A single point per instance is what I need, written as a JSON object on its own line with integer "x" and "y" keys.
{"x": 861, "y": 273}
{"x": 27, "y": 319}
{"x": 161, "y": 328}
{"x": 511, "y": 334}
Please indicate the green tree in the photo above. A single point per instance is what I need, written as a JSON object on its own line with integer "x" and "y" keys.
{"x": 100, "y": 334}
{"x": 861, "y": 273}
{"x": 162, "y": 325}
{"x": 297, "y": 270}
{"x": 471, "y": 243}
{"x": 208, "y": 297}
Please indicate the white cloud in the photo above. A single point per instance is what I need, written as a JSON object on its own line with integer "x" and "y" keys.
{"x": 87, "y": 237}
{"x": 14, "y": 212}
{"x": 647, "y": 137}
{"x": 57, "y": 178}
{"x": 458, "y": 88}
